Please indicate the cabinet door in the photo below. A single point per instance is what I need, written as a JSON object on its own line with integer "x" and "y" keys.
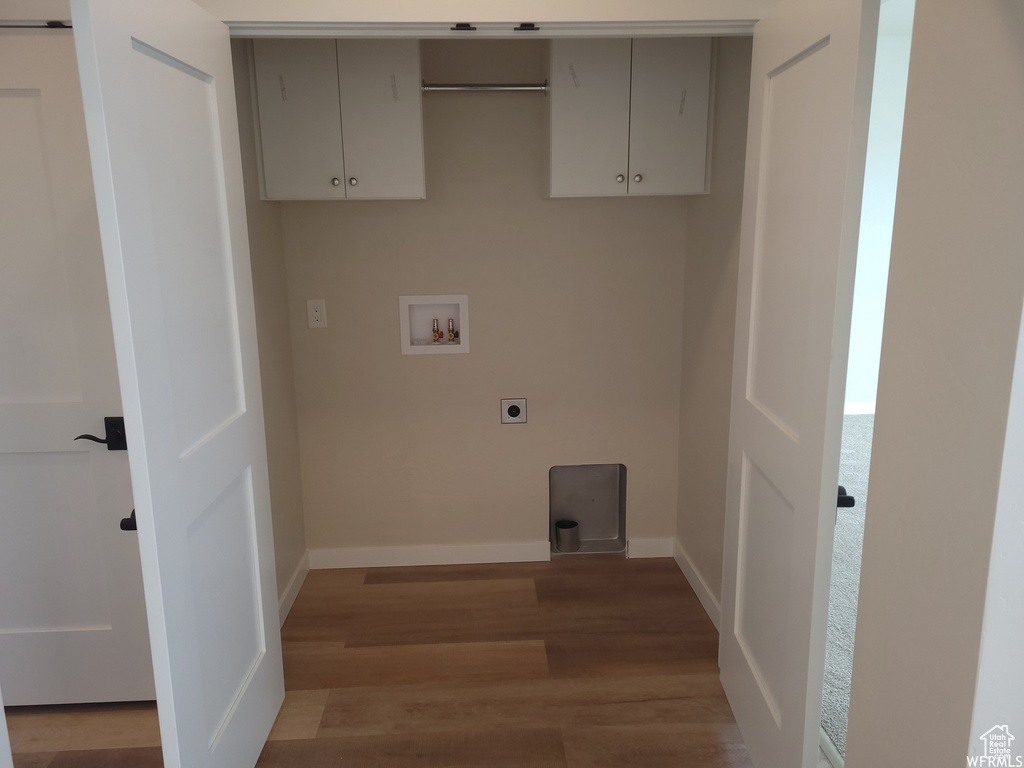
{"x": 589, "y": 117}
{"x": 668, "y": 127}
{"x": 300, "y": 119}
{"x": 382, "y": 118}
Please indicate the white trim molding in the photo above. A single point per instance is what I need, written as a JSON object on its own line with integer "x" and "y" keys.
{"x": 490, "y": 29}
{"x": 649, "y": 548}
{"x": 430, "y": 554}
{"x": 287, "y": 598}
{"x": 697, "y": 583}
{"x": 830, "y": 750}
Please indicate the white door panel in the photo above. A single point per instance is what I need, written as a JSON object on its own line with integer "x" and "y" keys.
{"x": 810, "y": 90}
{"x": 72, "y": 618}
{"x": 158, "y": 89}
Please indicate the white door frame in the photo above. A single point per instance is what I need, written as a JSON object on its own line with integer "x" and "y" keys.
{"x": 6, "y": 759}
{"x": 493, "y": 30}
{"x": 50, "y": 9}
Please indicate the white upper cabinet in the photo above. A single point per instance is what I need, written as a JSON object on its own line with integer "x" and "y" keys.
{"x": 300, "y": 119}
{"x": 668, "y": 118}
{"x": 589, "y": 117}
{"x": 629, "y": 116}
{"x": 340, "y": 118}
{"x": 382, "y": 118}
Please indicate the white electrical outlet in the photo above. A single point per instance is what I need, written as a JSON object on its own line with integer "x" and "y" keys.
{"x": 316, "y": 313}
{"x": 513, "y": 411}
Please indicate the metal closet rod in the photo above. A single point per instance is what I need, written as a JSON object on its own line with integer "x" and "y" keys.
{"x": 429, "y": 87}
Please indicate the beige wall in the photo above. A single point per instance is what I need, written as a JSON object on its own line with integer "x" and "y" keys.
{"x": 709, "y": 318}
{"x": 274, "y": 341}
{"x": 956, "y": 287}
{"x": 575, "y": 304}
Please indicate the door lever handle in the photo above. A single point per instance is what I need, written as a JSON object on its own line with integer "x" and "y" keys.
{"x": 116, "y": 440}
{"x": 844, "y": 499}
{"x": 128, "y": 523}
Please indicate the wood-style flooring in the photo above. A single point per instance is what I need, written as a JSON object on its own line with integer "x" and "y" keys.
{"x": 577, "y": 662}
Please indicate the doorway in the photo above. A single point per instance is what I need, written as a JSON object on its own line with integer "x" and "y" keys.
{"x": 892, "y": 60}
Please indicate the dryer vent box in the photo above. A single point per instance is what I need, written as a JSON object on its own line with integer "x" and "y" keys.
{"x": 594, "y": 496}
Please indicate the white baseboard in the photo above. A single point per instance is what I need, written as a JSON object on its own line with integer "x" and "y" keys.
{"x": 430, "y": 554}
{"x": 707, "y": 599}
{"x": 830, "y": 750}
{"x": 287, "y": 598}
{"x": 650, "y": 548}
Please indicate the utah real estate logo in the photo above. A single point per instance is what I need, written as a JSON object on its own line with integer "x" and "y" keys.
{"x": 998, "y": 750}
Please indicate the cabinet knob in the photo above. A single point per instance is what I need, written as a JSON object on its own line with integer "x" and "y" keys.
{"x": 353, "y": 181}
{"x": 620, "y": 178}
{"x": 638, "y": 178}
{"x": 335, "y": 181}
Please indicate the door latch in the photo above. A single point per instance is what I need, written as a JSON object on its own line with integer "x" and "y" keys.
{"x": 116, "y": 440}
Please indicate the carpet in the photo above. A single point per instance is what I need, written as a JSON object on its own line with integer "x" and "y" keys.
{"x": 842, "y": 601}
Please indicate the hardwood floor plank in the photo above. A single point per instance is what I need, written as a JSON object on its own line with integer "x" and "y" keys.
{"x": 355, "y": 606}
{"x": 420, "y": 626}
{"x": 321, "y": 586}
{"x": 331, "y": 578}
{"x": 144, "y": 757}
{"x": 83, "y": 726}
{"x": 330, "y": 665}
{"x": 433, "y": 594}
{"x": 579, "y": 566}
{"x": 630, "y": 654}
{"x": 713, "y": 745}
{"x": 34, "y": 759}
{"x": 382, "y": 609}
{"x": 649, "y": 585}
{"x": 538, "y": 703}
{"x": 617, "y": 593}
{"x": 506, "y": 623}
{"x": 470, "y": 748}
{"x": 483, "y": 571}
{"x": 443, "y": 573}
{"x": 300, "y": 715}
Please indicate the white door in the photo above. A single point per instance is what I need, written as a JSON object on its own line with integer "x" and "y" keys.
{"x": 163, "y": 135}
{"x": 72, "y": 613}
{"x": 810, "y": 92}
